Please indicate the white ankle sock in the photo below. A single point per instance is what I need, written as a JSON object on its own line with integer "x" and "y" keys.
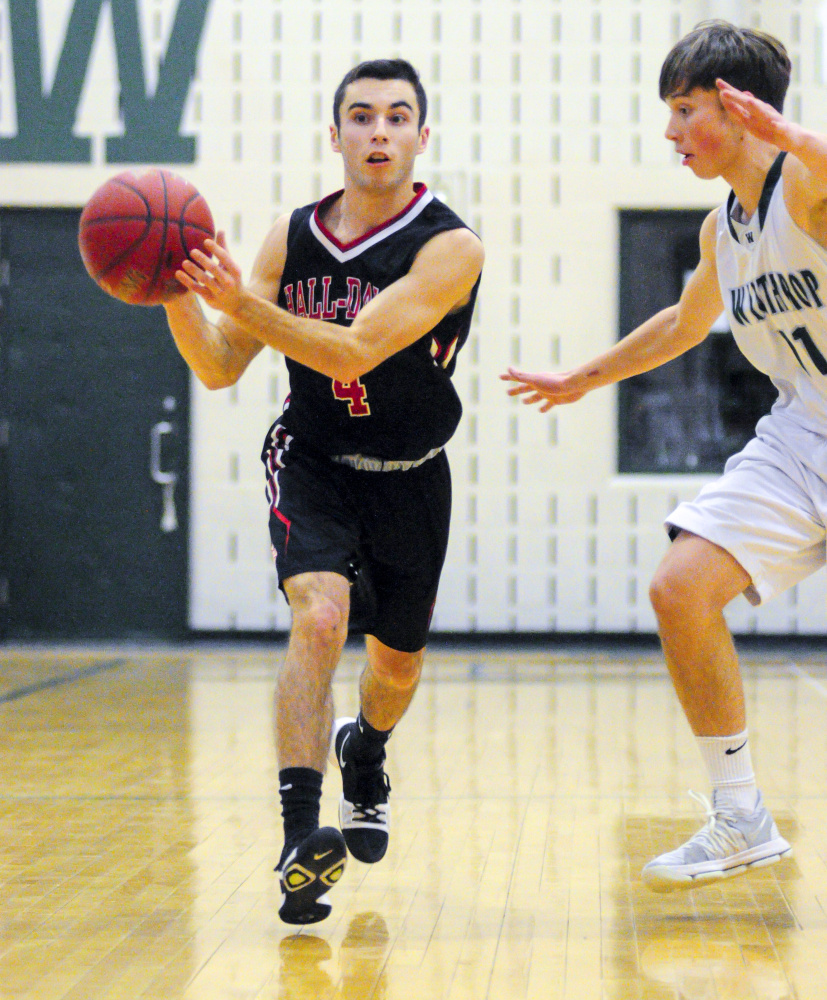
{"x": 729, "y": 765}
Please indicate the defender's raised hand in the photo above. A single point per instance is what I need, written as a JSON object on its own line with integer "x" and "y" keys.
{"x": 760, "y": 118}
{"x": 546, "y": 388}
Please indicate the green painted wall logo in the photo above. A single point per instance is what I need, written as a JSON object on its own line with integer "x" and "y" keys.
{"x": 152, "y": 125}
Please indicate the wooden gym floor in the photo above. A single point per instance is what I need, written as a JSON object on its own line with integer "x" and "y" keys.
{"x": 139, "y": 825}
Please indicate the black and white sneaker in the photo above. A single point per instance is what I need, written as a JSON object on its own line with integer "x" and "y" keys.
{"x": 364, "y": 813}
{"x": 308, "y": 871}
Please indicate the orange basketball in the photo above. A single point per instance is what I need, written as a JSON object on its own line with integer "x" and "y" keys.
{"x": 136, "y": 231}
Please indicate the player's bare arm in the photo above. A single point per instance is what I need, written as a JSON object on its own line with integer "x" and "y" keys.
{"x": 440, "y": 281}
{"x": 219, "y": 353}
{"x": 664, "y": 336}
{"x": 805, "y": 169}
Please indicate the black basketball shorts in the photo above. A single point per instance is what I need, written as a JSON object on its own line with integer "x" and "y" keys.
{"x": 387, "y": 532}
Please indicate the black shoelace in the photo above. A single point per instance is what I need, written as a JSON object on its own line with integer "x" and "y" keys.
{"x": 372, "y": 787}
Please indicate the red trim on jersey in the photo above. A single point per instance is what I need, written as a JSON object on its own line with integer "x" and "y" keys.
{"x": 286, "y": 522}
{"x": 419, "y": 189}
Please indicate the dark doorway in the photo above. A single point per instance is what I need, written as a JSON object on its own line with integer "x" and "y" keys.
{"x": 691, "y": 414}
{"x": 94, "y": 415}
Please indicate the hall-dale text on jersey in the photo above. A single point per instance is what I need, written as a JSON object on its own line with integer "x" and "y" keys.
{"x": 774, "y": 293}
{"x": 151, "y": 123}
{"x": 307, "y": 299}
{"x": 317, "y": 303}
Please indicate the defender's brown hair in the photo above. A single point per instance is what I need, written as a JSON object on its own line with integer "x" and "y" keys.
{"x": 743, "y": 57}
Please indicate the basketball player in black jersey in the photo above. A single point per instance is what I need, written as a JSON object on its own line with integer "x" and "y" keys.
{"x": 369, "y": 295}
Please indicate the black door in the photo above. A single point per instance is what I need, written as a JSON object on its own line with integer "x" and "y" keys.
{"x": 94, "y": 405}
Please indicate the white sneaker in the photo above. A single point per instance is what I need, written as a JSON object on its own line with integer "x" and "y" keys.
{"x": 731, "y": 843}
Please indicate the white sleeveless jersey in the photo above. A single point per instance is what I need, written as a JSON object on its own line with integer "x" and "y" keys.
{"x": 773, "y": 279}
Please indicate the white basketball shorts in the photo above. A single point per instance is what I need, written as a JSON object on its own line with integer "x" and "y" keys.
{"x": 768, "y": 510}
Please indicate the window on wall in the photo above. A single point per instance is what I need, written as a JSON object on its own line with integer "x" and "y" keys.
{"x": 691, "y": 414}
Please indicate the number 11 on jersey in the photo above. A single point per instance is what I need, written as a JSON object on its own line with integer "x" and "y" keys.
{"x": 355, "y": 394}
{"x": 802, "y": 335}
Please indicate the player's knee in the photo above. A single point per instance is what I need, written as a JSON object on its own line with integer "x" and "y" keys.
{"x": 401, "y": 673}
{"x": 672, "y": 593}
{"x": 320, "y": 620}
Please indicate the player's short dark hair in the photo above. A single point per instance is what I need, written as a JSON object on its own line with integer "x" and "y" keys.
{"x": 743, "y": 57}
{"x": 382, "y": 69}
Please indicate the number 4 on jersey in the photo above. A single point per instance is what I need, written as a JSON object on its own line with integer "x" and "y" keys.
{"x": 356, "y": 396}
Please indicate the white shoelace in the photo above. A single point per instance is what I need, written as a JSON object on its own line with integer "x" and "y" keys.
{"x": 719, "y": 839}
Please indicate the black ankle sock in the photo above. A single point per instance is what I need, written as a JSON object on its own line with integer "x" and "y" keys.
{"x": 369, "y": 745}
{"x": 301, "y": 791}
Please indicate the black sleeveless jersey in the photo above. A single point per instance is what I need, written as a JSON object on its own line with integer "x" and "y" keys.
{"x": 407, "y": 405}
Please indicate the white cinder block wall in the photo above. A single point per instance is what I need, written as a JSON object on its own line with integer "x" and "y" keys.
{"x": 545, "y": 123}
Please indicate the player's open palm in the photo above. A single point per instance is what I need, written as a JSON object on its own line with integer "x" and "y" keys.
{"x": 546, "y": 388}
{"x": 216, "y": 278}
{"x": 760, "y": 118}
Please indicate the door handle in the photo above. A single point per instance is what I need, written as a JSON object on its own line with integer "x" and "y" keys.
{"x": 165, "y": 479}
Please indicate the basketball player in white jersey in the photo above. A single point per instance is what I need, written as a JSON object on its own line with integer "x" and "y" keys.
{"x": 761, "y": 527}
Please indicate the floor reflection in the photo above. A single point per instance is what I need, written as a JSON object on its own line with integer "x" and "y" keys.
{"x": 362, "y": 956}
{"x": 310, "y": 969}
{"x": 301, "y": 974}
{"x": 710, "y": 970}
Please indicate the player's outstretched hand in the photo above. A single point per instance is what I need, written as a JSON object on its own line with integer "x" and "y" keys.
{"x": 215, "y": 278}
{"x": 760, "y": 118}
{"x": 546, "y": 388}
